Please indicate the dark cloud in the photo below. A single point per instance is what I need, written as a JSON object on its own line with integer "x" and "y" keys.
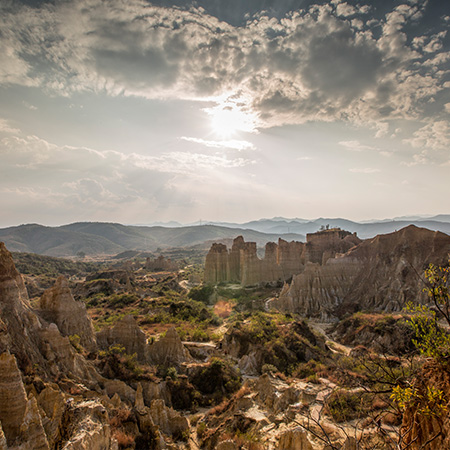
{"x": 318, "y": 62}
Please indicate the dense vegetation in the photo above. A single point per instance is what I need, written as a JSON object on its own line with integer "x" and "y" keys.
{"x": 32, "y": 264}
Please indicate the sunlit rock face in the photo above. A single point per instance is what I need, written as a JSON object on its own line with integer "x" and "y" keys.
{"x": 217, "y": 267}
{"x": 380, "y": 274}
{"x": 281, "y": 261}
{"x": 242, "y": 265}
{"x": 58, "y": 306}
{"x": 325, "y": 244}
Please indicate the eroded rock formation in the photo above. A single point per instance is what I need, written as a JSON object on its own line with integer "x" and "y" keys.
{"x": 161, "y": 264}
{"x": 58, "y": 306}
{"x": 281, "y": 261}
{"x": 169, "y": 350}
{"x": 127, "y": 333}
{"x": 380, "y": 274}
{"x": 242, "y": 265}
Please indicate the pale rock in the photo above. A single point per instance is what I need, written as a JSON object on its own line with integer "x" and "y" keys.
{"x": 57, "y": 305}
{"x": 294, "y": 439}
{"x": 19, "y": 325}
{"x": 58, "y": 350}
{"x": 52, "y": 405}
{"x": 3, "y": 445}
{"x": 13, "y": 399}
{"x": 127, "y": 333}
{"x": 241, "y": 264}
{"x": 226, "y": 445}
{"x": 152, "y": 390}
{"x": 248, "y": 364}
{"x": 274, "y": 394}
{"x": 167, "y": 419}
{"x": 32, "y": 432}
{"x": 161, "y": 264}
{"x": 169, "y": 350}
{"x": 379, "y": 274}
{"x": 120, "y": 388}
{"x": 91, "y": 430}
{"x": 139, "y": 402}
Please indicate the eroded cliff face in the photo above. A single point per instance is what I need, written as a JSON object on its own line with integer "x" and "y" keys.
{"x": 431, "y": 431}
{"x": 127, "y": 333}
{"x": 36, "y": 416}
{"x": 242, "y": 265}
{"x": 380, "y": 274}
{"x": 281, "y": 261}
{"x": 58, "y": 306}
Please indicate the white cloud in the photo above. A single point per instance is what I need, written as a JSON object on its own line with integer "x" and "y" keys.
{"x": 355, "y": 146}
{"x": 435, "y": 135}
{"x": 232, "y": 143}
{"x": 344, "y": 9}
{"x": 65, "y": 178}
{"x": 314, "y": 65}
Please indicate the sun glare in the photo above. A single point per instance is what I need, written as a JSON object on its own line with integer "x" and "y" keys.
{"x": 227, "y": 119}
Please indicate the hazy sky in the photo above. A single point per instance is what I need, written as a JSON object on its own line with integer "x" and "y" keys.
{"x": 135, "y": 111}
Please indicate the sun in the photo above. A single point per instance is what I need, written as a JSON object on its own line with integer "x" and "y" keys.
{"x": 226, "y": 122}
{"x": 227, "y": 119}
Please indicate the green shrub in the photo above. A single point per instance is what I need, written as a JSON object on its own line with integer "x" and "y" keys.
{"x": 201, "y": 293}
{"x": 344, "y": 405}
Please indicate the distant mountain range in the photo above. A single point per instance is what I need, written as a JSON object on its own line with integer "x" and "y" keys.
{"x": 100, "y": 238}
{"x": 364, "y": 230}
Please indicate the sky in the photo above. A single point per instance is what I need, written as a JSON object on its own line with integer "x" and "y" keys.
{"x": 137, "y": 112}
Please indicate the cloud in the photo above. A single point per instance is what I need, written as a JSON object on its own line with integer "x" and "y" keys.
{"x": 366, "y": 170}
{"x": 66, "y": 178}
{"x": 232, "y": 143}
{"x": 435, "y": 135}
{"x": 310, "y": 65}
{"x": 355, "y": 146}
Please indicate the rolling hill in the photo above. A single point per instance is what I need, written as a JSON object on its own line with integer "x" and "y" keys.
{"x": 98, "y": 238}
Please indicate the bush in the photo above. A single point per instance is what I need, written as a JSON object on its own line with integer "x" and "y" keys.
{"x": 217, "y": 379}
{"x": 344, "y": 405}
{"x": 201, "y": 293}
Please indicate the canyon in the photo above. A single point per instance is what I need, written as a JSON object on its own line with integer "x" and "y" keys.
{"x": 335, "y": 273}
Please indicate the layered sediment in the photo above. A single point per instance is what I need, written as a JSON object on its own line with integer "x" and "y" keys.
{"x": 281, "y": 261}
{"x": 380, "y": 274}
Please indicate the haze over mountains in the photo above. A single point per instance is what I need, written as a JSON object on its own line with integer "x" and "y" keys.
{"x": 99, "y": 238}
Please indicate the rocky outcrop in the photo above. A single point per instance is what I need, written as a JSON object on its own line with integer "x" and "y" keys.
{"x": 127, "y": 333}
{"x": 58, "y": 306}
{"x": 326, "y": 244}
{"x": 380, "y": 274}
{"x": 161, "y": 264}
{"x": 428, "y": 430}
{"x": 167, "y": 419}
{"x": 169, "y": 350}
{"x": 217, "y": 265}
{"x": 382, "y": 333}
{"x": 281, "y": 261}
{"x": 295, "y": 439}
{"x": 19, "y": 417}
{"x": 89, "y": 425}
{"x": 13, "y": 399}
{"x": 242, "y": 265}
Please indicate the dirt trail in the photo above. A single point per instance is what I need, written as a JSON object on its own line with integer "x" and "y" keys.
{"x": 335, "y": 347}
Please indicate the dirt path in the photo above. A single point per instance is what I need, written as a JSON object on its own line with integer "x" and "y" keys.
{"x": 335, "y": 347}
